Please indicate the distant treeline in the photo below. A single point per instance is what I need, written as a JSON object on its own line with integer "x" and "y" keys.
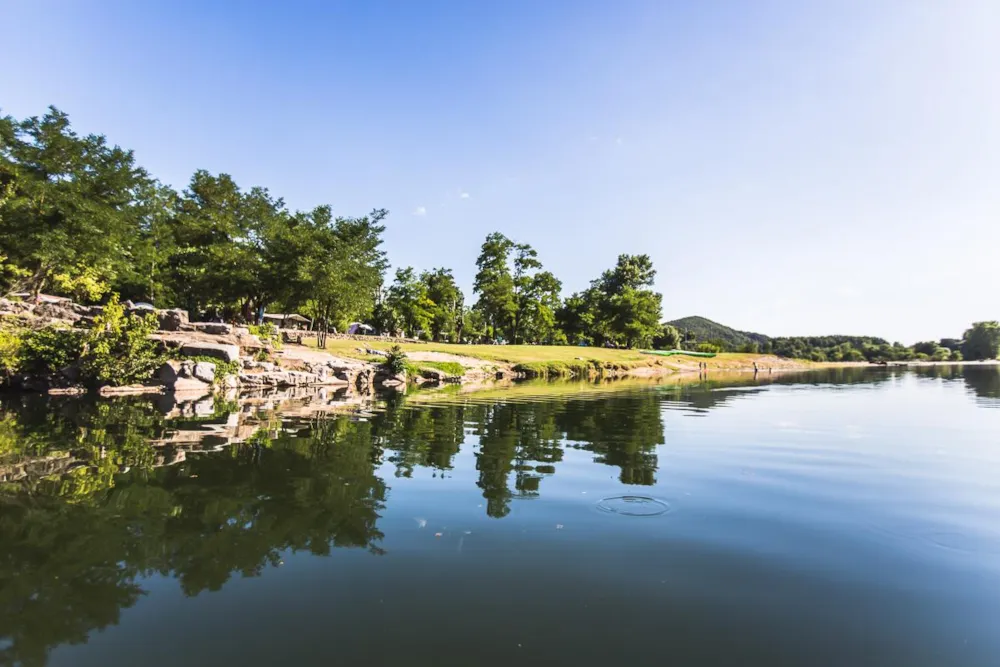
{"x": 981, "y": 341}
{"x": 80, "y": 218}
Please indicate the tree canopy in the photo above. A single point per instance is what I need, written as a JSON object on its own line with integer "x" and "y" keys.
{"x": 80, "y": 218}
{"x": 982, "y": 341}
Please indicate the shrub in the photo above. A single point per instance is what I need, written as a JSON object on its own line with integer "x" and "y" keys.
{"x": 395, "y": 361}
{"x": 10, "y": 351}
{"x": 709, "y": 347}
{"x": 956, "y": 355}
{"x": 117, "y": 350}
{"x": 268, "y": 334}
{"x": 49, "y": 349}
{"x": 941, "y": 354}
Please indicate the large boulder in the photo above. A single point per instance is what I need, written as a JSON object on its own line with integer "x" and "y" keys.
{"x": 220, "y": 351}
{"x": 204, "y": 371}
{"x": 288, "y": 378}
{"x": 179, "y": 376}
{"x": 247, "y": 341}
{"x": 251, "y": 365}
{"x": 387, "y": 380}
{"x": 57, "y": 311}
{"x": 172, "y": 319}
{"x": 8, "y": 307}
{"x": 438, "y": 375}
{"x": 213, "y": 328}
{"x": 363, "y": 381}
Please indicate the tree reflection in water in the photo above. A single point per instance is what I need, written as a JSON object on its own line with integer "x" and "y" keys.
{"x": 96, "y": 495}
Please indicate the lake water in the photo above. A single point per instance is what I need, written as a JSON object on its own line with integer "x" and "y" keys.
{"x": 847, "y": 518}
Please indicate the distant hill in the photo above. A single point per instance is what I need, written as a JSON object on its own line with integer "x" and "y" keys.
{"x": 705, "y": 329}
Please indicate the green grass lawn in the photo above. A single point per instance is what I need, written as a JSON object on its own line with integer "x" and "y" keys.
{"x": 511, "y": 354}
{"x": 449, "y": 367}
{"x": 540, "y": 360}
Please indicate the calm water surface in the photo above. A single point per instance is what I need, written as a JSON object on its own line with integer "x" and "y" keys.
{"x": 842, "y": 519}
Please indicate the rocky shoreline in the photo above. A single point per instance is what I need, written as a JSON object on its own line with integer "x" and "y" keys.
{"x": 202, "y": 358}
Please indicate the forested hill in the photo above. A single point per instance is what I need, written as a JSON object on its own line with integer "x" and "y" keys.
{"x": 705, "y": 329}
{"x": 982, "y": 341}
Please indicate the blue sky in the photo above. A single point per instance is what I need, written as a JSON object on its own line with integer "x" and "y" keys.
{"x": 791, "y": 167}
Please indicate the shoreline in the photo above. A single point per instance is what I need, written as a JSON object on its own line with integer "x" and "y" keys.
{"x": 204, "y": 358}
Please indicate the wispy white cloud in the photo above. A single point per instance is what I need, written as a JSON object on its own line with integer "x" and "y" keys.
{"x": 420, "y": 210}
{"x": 618, "y": 141}
{"x": 465, "y": 195}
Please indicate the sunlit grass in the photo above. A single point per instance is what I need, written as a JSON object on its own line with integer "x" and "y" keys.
{"x": 544, "y": 359}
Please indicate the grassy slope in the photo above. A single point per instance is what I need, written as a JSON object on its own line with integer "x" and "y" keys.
{"x": 511, "y": 354}
{"x": 548, "y": 359}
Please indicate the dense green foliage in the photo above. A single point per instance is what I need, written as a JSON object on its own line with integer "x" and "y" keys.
{"x": 668, "y": 338}
{"x": 117, "y": 349}
{"x": 267, "y": 333}
{"x": 71, "y": 207}
{"x": 46, "y": 350}
{"x": 395, "y": 360}
{"x": 699, "y": 333}
{"x": 79, "y": 217}
{"x": 982, "y": 341}
{"x": 704, "y": 329}
{"x": 619, "y": 308}
{"x": 517, "y": 300}
{"x": 420, "y": 368}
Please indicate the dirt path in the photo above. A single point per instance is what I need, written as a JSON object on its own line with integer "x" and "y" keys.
{"x": 302, "y": 353}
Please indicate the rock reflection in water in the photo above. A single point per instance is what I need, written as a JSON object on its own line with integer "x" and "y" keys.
{"x": 96, "y": 496}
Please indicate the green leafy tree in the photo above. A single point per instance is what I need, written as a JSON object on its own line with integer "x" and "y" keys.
{"x": 384, "y": 318}
{"x": 69, "y": 209}
{"x": 49, "y": 349}
{"x": 148, "y": 274}
{"x": 473, "y": 324}
{"x": 233, "y": 250}
{"x": 577, "y": 316}
{"x": 628, "y": 310}
{"x": 525, "y": 263}
{"x": 941, "y": 354}
{"x": 448, "y": 304}
{"x": 668, "y": 338}
{"x": 981, "y": 341}
{"x": 341, "y": 265}
{"x": 117, "y": 350}
{"x": 540, "y": 303}
{"x": 495, "y": 285}
{"x": 408, "y": 297}
{"x": 518, "y": 300}
{"x": 951, "y": 343}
